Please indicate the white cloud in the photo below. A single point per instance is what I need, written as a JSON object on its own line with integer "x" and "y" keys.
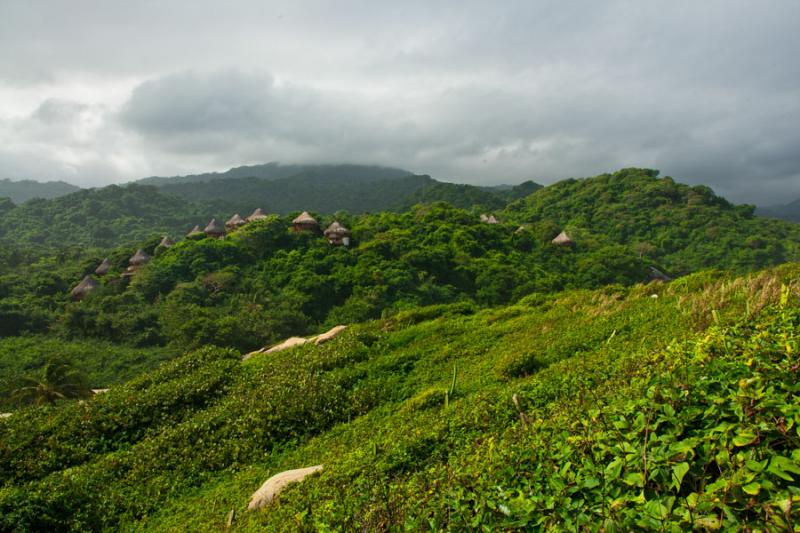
{"x": 479, "y": 92}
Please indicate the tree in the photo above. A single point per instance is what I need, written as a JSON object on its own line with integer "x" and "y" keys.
{"x": 59, "y": 380}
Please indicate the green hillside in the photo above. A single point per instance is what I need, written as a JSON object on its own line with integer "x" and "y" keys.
{"x": 119, "y": 215}
{"x": 325, "y": 193}
{"x": 685, "y": 228}
{"x": 102, "y": 217}
{"x": 24, "y": 190}
{"x": 640, "y": 404}
{"x": 658, "y": 407}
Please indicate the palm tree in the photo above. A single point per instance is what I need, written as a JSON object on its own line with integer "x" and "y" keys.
{"x": 59, "y": 380}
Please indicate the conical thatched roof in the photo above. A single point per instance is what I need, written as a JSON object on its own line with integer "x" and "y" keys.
{"x": 195, "y": 231}
{"x": 83, "y": 288}
{"x": 166, "y": 242}
{"x": 336, "y": 229}
{"x": 562, "y": 239}
{"x": 491, "y": 220}
{"x": 235, "y": 221}
{"x": 139, "y": 258}
{"x": 103, "y": 268}
{"x": 484, "y": 217}
{"x": 214, "y": 228}
{"x": 305, "y": 218}
{"x": 258, "y": 214}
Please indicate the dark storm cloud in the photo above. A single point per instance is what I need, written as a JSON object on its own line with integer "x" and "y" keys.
{"x": 479, "y": 91}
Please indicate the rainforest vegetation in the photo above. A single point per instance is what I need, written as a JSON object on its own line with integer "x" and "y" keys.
{"x": 488, "y": 378}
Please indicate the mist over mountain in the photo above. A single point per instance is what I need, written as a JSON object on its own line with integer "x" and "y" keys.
{"x": 790, "y": 211}
{"x": 276, "y": 171}
{"x": 21, "y": 191}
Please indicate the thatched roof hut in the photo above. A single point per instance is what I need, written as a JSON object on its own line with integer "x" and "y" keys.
{"x": 87, "y": 285}
{"x": 305, "y": 222}
{"x": 489, "y": 219}
{"x": 214, "y": 229}
{"x": 337, "y": 235}
{"x": 195, "y": 232}
{"x": 562, "y": 239}
{"x": 235, "y": 222}
{"x": 258, "y": 214}
{"x": 139, "y": 258}
{"x": 166, "y": 242}
{"x": 103, "y": 268}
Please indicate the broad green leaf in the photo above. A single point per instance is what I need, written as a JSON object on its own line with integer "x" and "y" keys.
{"x": 782, "y": 467}
{"x": 635, "y": 479}
{"x": 614, "y": 469}
{"x": 678, "y": 472}
{"x": 744, "y": 438}
{"x": 752, "y": 488}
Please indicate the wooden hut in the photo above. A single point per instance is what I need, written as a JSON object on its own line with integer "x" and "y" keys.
{"x": 305, "y": 222}
{"x": 337, "y": 235}
{"x": 140, "y": 258}
{"x": 214, "y": 229}
{"x": 234, "y": 223}
{"x": 87, "y": 285}
{"x": 258, "y": 214}
{"x": 137, "y": 260}
{"x": 103, "y": 268}
{"x": 195, "y": 231}
{"x": 166, "y": 242}
{"x": 562, "y": 239}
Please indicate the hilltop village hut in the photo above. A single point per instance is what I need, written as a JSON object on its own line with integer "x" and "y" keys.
{"x": 489, "y": 219}
{"x": 215, "y": 229}
{"x": 137, "y": 260}
{"x": 562, "y": 239}
{"x": 140, "y": 258}
{"x": 305, "y": 222}
{"x": 234, "y": 223}
{"x": 258, "y": 214}
{"x": 166, "y": 242}
{"x": 195, "y": 231}
{"x": 337, "y": 235}
{"x": 87, "y": 285}
{"x": 103, "y": 268}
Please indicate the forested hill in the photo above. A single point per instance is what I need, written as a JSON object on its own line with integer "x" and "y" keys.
{"x": 118, "y": 215}
{"x": 316, "y": 191}
{"x": 21, "y": 191}
{"x": 686, "y": 228}
{"x": 103, "y": 217}
{"x": 487, "y": 377}
{"x": 276, "y": 171}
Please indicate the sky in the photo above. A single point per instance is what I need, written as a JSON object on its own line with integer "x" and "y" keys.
{"x": 106, "y": 91}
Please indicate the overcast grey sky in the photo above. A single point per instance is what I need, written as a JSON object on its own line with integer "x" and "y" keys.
{"x": 103, "y": 91}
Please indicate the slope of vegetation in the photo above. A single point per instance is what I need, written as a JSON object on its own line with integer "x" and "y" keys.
{"x": 488, "y": 378}
{"x": 264, "y": 283}
{"x": 685, "y": 228}
{"x": 632, "y": 412}
{"x": 98, "y": 217}
{"x": 114, "y": 215}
